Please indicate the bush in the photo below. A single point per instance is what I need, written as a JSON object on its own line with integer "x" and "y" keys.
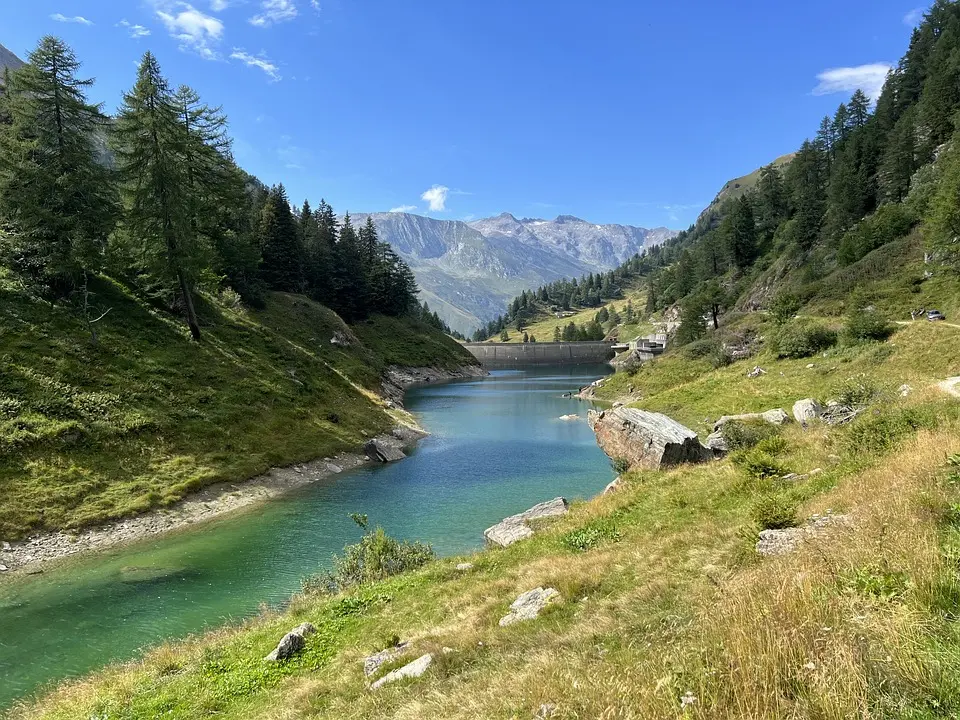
{"x": 856, "y": 391}
{"x": 866, "y": 325}
{"x": 699, "y": 349}
{"x": 774, "y": 512}
{"x": 880, "y": 433}
{"x": 802, "y": 339}
{"x": 758, "y": 463}
{"x": 784, "y": 306}
{"x": 375, "y": 557}
{"x": 591, "y": 535}
{"x": 620, "y": 465}
{"x": 745, "y": 434}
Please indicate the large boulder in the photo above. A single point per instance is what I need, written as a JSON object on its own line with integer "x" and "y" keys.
{"x": 806, "y": 411}
{"x": 517, "y": 527}
{"x": 529, "y": 605}
{"x": 384, "y": 449}
{"x": 646, "y": 439}
{"x": 777, "y": 416}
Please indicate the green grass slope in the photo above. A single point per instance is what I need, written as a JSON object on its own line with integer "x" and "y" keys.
{"x": 91, "y": 432}
{"x": 663, "y": 595}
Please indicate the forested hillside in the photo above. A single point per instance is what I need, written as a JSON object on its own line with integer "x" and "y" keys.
{"x": 167, "y": 321}
{"x": 872, "y": 175}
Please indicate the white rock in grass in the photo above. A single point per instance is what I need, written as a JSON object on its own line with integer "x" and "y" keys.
{"x": 377, "y": 660}
{"x": 411, "y": 670}
{"x": 529, "y": 605}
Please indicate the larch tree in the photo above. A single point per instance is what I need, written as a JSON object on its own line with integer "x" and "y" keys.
{"x": 282, "y": 267}
{"x": 152, "y": 144}
{"x": 56, "y": 195}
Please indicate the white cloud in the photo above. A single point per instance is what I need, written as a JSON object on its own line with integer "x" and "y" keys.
{"x": 136, "y": 31}
{"x": 257, "y": 61}
{"x": 913, "y": 18}
{"x": 404, "y": 208}
{"x": 869, "y": 78}
{"x": 436, "y": 197}
{"x": 80, "y": 20}
{"x": 274, "y": 11}
{"x": 315, "y": 4}
{"x": 195, "y": 30}
{"x": 219, "y": 5}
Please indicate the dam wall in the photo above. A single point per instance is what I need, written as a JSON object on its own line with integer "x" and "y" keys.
{"x": 508, "y": 355}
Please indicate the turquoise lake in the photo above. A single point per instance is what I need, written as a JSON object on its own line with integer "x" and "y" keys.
{"x": 497, "y": 447}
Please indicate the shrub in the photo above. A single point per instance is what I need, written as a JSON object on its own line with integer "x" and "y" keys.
{"x": 784, "y": 306}
{"x": 774, "y": 512}
{"x": 620, "y": 465}
{"x": 802, "y": 339}
{"x": 856, "y": 391}
{"x": 887, "y": 224}
{"x": 880, "y": 433}
{"x": 744, "y": 434}
{"x": 699, "y": 349}
{"x": 757, "y": 463}
{"x": 375, "y": 557}
{"x": 865, "y": 324}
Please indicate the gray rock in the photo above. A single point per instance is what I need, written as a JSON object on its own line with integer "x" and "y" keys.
{"x": 340, "y": 339}
{"x": 781, "y": 542}
{"x": 383, "y": 450}
{"x": 529, "y": 605}
{"x": 3, "y": 568}
{"x": 777, "y": 416}
{"x": 806, "y": 411}
{"x": 377, "y": 660}
{"x": 6, "y": 546}
{"x": 291, "y": 643}
{"x": 756, "y": 372}
{"x": 614, "y": 485}
{"x": 646, "y": 439}
{"x": 545, "y": 711}
{"x": 904, "y": 390}
{"x": 717, "y": 443}
{"x": 464, "y": 567}
{"x": 517, "y": 527}
{"x": 411, "y": 670}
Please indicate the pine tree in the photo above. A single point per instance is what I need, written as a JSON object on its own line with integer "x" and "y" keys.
{"x": 805, "y": 184}
{"x": 556, "y": 334}
{"x": 60, "y": 201}
{"x": 282, "y": 267}
{"x": 858, "y": 110}
{"x": 741, "y": 234}
{"x": 772, "y": 206}
{"x": 349, "y": 280}
{"x": 151, "y": 144}
{"x": 321, "y": 254}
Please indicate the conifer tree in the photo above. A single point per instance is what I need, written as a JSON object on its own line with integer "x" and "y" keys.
{"x": 282, "y": 267}
{"x": 59, "y": 199}
{"x": 348, "y": 278}
{"x": 151, "y": 145}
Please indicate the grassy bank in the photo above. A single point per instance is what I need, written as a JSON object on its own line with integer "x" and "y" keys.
{"x": 663, "y": 593}
{"x": 91, "y": 432}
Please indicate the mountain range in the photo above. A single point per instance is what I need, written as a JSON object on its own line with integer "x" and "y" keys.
{"x": 468, "y": 271}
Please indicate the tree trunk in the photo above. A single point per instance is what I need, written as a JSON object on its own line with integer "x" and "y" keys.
{"x": 715, "y": 311}
{"x": 188, "y": 305}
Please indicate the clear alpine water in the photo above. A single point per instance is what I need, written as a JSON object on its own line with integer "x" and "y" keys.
{"x": 497, "y": 447}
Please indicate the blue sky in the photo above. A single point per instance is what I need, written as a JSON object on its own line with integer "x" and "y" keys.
{"x": 632, "y": 112}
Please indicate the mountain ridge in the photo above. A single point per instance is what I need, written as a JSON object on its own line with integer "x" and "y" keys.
{"x": 469, "y": 270}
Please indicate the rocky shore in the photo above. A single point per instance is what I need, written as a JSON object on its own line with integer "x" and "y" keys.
{"x": 28, "y": 556}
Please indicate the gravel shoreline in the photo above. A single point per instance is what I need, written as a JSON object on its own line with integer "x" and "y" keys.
{"x": 28, "y": 556}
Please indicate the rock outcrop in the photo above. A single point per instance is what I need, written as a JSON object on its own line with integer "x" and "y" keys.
{"x": 806, "y": 411}
{"x": 291, "y": 643}
{"x": 646, "y": 439}
{"x": 374, "y": 662}
{"x": 781, "y": 542}
{"x": 529, "y": 605}
{"x": 517, "y": 527}
{"x": 384, "y": 449}
{"x": 777, "y": 416}
{"x": 411, "y": 670}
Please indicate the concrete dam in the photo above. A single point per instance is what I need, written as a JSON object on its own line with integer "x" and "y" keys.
{"x": 508, "y": 355}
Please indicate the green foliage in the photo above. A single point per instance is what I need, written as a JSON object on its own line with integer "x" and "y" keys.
{"x": 784, "y": 306}
{"x": 876, "y": 580}
{"x": 595, "y": 533}
{"x": 620, "y": 465}
{"x": 889, "y": 223}
{"x": 866, "y": 324}
{"x": 758, "y": 463}
{"x": 745, "y": 434}
{"x": 856, "y": 391}
{"x": 774, "y": 512}
{"x": 800, "y": 339}
{"x": 375, "y": 557}
{"x": 883, "y": 431}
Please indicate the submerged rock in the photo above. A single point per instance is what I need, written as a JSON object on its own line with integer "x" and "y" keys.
{"x": 411, "y": 670}
{"x": 529, "y": 605}
{"x": 646, "y": 439}
{"x": 291, "y": 643}
{"x": 516, "y": 527}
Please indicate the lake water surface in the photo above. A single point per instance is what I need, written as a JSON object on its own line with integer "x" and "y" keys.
{"x": 496, "y": 448}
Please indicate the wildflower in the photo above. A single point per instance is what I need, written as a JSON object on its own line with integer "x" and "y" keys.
{"x": 688, "y": 698}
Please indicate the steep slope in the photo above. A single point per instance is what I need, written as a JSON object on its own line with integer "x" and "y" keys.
{"x": 8, "y": 60}
{"x": 469, "y": 271}
{"x": 145, "y": 416}
{"x": 735, "y": 188}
